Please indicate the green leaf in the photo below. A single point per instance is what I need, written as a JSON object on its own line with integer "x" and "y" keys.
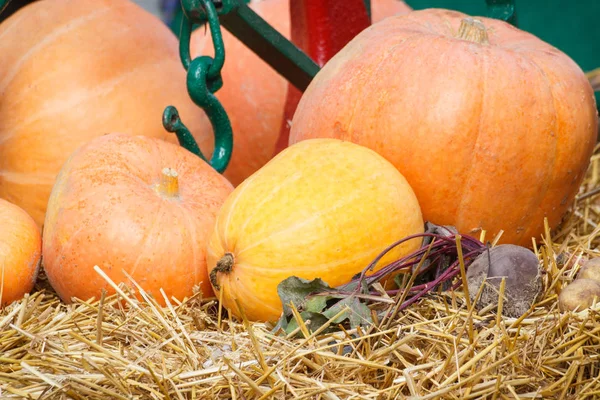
{"x": 296, "y": 290}
{"x": 318, "y": 303}
{"x": 356, "y": 312}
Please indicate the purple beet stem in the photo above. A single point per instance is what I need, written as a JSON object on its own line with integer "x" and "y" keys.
{"x": 440, "y": 245}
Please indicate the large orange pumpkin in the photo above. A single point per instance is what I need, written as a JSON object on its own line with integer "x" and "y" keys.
{"x": 134, "y": 204}
{"x": 253, "y": 93}
{"x": 492, "y": 127}
{"x": 20, "y": 252}
{"x": 72, "y": 70}
{"x": 320, "y": 209}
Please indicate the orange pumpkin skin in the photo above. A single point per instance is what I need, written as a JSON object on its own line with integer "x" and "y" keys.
{"x": 253, "y": 93}
{"x": 107, "y": 210}
{"x": 381, "y": 9}
{"x": 323, "y": 208}
{"x": 72, "y": 70}
{"x": 490, "y": 136}
{"x": 20, "y": 252}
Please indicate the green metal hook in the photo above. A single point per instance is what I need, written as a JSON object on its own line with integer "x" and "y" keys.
{"x": 203, "y": 80}
{"x": 256, "y": 34}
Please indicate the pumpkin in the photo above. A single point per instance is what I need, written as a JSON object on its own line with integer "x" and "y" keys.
{"x": 254, "y": 94}
{"x": 492, "y": 127}
{"x": 135, "y": 205}
{"x": 20, "y": 252}
{"x": 323, "y": 208}
{"x": 72, "y": 70}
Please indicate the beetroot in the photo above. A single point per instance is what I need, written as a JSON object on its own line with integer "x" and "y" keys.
{"x": 523, "y": 274}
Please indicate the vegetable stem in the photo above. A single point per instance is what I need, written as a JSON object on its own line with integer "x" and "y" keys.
{"x": 224, "y": 265}
{"x": 473, "y": 30}
{"x": 169, "y": 183}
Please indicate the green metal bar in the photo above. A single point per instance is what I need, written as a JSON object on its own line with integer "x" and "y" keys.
{"x": 258, "y": 35}
{"x": 503, "y": 9}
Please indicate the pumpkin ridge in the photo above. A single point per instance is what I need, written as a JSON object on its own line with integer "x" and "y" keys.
{"x": 373, "y": 72}
{"x": 244, "y": 292}
{"x": 18, "y": 17}
{"x": 224, "y": 234}
{"x": 461, "y": 209}
{"x": 23, "y": 94}
{"x": 74, "y": 100}
{"x": 368, "y": 254}
{"x": 193, "y": 234}
{"x": 49, "y": 38}
{"x": 288, "y": 180}
{"x": 25, "y": 178}
{"x": 552, "y": 170}
{"x": 342, "y": 201}
{"x": 150, "y": 234}
{"x": 67, "y": 246}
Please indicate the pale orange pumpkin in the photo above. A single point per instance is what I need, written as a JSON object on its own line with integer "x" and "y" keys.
{"x": 492, "y": 127}
{"x": 134, "y": 204}
{"x": 20, "y": 252}
{"x": 323, "y": 208}
{"x": 254, "y": 94}
{"x": 72, "y": 70}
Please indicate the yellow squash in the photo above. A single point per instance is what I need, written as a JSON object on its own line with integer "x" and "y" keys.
{"x": 322, "y": 208}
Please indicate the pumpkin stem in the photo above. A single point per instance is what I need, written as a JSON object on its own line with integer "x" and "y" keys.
{"x": 473, "y": 30}
{"x": 225, "y": 265}
{"x": 169, "y": 183}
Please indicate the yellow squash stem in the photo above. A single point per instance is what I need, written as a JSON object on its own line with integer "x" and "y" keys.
{"x": 224, "y": 265}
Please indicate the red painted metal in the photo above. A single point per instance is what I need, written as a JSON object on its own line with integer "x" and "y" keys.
{"x": 320, "y": 28}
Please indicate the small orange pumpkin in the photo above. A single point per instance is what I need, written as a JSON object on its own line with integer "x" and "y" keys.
{"x": 72, "y": 70}
{"x": 322, "y": 208}
{"x": 253, "y": 93}
{"x": 20, "y": 252}
{"x": 134, "y": 204}
{"x": 492, "y": 127}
